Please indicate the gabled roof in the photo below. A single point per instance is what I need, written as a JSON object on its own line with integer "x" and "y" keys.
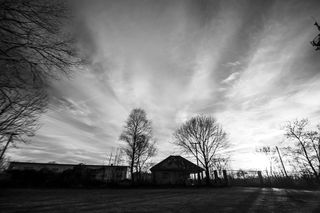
{"x": 176, "y": 163}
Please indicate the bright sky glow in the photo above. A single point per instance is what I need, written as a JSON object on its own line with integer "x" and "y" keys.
{"x": 248, "y": 63}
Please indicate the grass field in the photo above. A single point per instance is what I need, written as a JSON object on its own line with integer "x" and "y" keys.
{"x": 234, "y": 199}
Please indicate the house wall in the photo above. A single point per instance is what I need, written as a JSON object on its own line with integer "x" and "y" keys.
{"x": 170, "y": 177}
{"x": 112, "y": 174}
{"x": 143, "y": 176}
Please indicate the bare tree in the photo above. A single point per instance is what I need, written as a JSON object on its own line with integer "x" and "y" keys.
{"x": 137, "y": 134}
{"x": 33, "y": 49}
{"x": 19, "y": 113}
{"x": 305, "y": 151}
{"x": 32, "y": 40}
{"x": 145, "y": 150}
{"x": 204, "y": 135}
{"x": 220, "y": 163}
{"x": 115, "y": 157}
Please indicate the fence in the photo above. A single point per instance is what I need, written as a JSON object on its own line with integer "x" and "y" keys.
{"x": 263, "y": 179}
{"x": 244, "y": 178}
{"x": 238, "y": 177}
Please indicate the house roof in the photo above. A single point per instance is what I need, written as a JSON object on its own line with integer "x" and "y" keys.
{"x": 176, "y": 163}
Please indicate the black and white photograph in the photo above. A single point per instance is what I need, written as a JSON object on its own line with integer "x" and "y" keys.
{"x": 185, "y": 106}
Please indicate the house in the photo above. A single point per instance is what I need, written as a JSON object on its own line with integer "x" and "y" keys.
{"x": 174, "y": 170}
{"x": 100, "y": 172}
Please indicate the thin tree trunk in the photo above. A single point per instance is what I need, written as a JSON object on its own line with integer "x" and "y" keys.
{"x": 207, "y": 175}
{"x": 131, "y": 169}
{"x": 6, "y": 146}
{"x": 309, "y": 161}
{"x": 133, "y": 156}
{"x": 307, "y": 156}
{"x": 319, "y": 154}
{"x": 317, "y": 150}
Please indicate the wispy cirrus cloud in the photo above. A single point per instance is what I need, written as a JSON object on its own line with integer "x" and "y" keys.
{"x": 247, "y": 63}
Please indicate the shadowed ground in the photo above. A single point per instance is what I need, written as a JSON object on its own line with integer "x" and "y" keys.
{"x": 235, "y": 199}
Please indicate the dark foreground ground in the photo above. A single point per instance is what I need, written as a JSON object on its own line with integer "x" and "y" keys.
{"x": 159, "y": 200}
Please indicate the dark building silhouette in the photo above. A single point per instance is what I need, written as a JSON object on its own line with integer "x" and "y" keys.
{"x": 174, "y": 170}
{"x": 108, "y": 173}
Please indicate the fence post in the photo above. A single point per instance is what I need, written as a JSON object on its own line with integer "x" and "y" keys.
{"x": 260, "y": 178}
{"x": 225, "y": 177}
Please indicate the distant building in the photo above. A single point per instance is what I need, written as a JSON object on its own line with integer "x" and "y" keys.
{"x": 174, "y": 170}
{"x": 100, "y": 172}
{"x": 143, "y": 177}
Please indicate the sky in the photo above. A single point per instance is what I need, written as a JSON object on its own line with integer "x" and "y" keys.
{"x": 249, "y": 64}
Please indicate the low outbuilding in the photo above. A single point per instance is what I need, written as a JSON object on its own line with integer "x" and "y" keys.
{"x": 104, "y": 173}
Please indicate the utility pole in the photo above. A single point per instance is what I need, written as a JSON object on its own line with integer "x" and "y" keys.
{"x": 195, "y": 144}
{"x": 284, "y": 169}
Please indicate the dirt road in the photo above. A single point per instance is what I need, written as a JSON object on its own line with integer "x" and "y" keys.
{"x": 159, "y": 200}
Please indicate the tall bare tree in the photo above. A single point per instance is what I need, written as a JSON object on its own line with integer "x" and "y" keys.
{"x": 145, "y": 150}
{"x": 204, "y": 138}
{"x": 306, "y": 147}
{"x": 137, "y": 134}
{"x": 34, "y": 47}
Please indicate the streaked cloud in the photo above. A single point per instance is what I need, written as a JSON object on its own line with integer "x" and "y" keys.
{"x": 231, "y": 77}
{"x": 248, "y": 63}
